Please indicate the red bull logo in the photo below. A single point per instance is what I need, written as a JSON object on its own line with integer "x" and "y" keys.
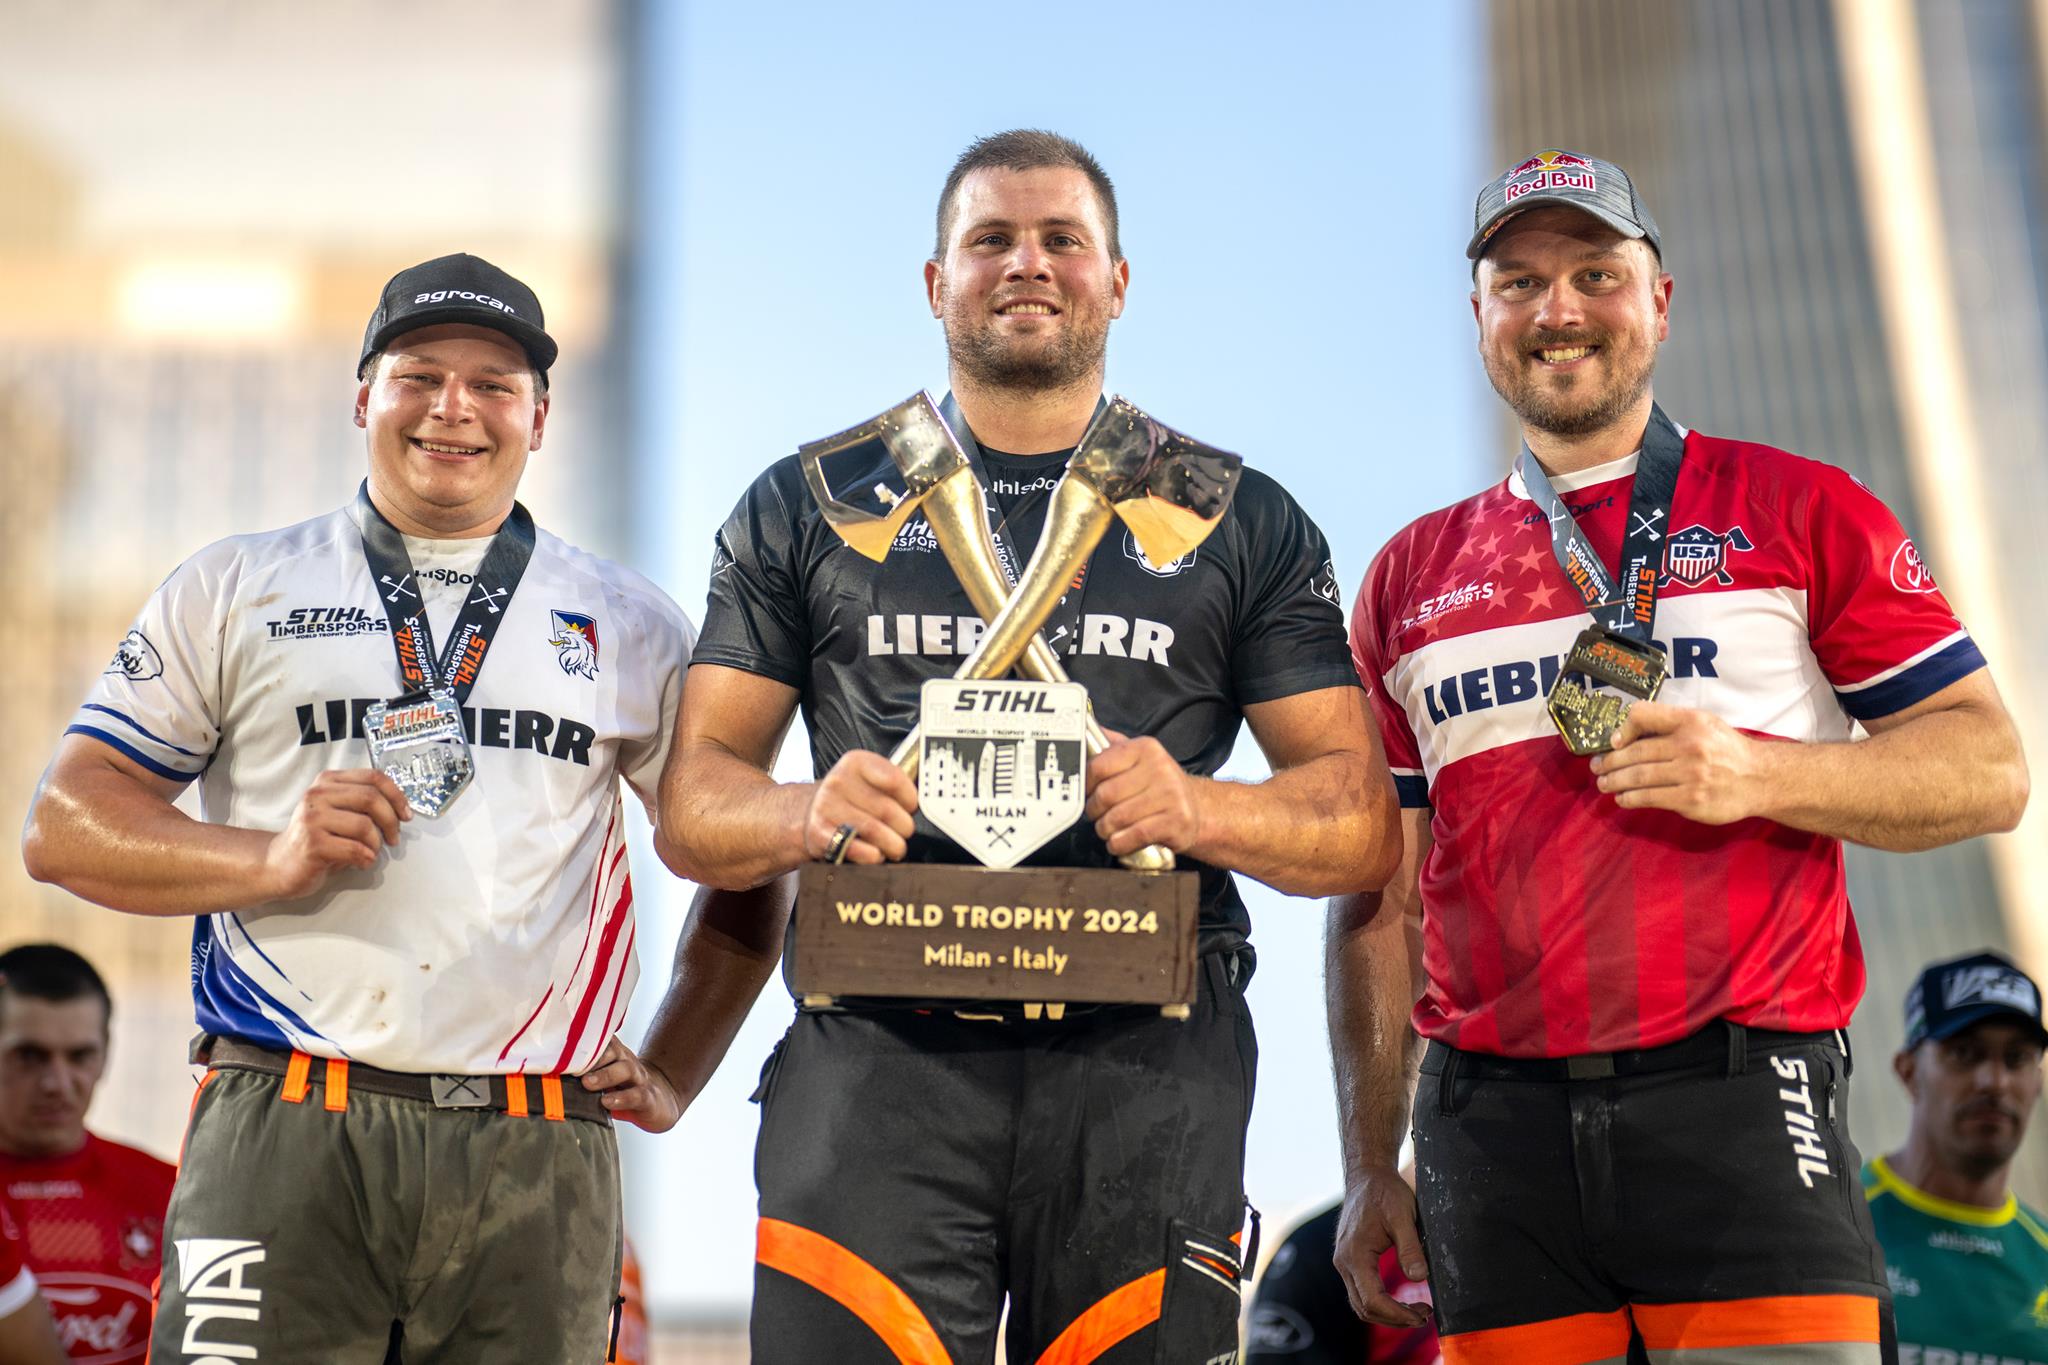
{"x": 1551, "y": 170}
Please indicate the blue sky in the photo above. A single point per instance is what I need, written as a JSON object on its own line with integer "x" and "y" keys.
{"x": 1296, "y": 189}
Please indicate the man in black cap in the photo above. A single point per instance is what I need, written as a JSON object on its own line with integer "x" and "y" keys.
{"x": 1968, "y": 1262}
{"x": 1619, "y": 692}
{"x": 412, "y": 920}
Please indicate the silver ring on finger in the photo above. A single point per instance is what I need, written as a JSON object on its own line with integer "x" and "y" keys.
{"x": 835, "y": 851}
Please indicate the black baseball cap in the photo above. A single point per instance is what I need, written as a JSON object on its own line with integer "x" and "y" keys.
{"x": 1952, "y": 996}
{"x": 459, "y": 288}
{"x": 1555, "y": 176}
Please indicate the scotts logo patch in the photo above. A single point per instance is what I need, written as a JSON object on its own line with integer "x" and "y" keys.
{"x": 1551, "y": 170}
{"x": 575, "y": 642}
{"x": 1694, "y": 555}
{"x": 1910, "y": 572}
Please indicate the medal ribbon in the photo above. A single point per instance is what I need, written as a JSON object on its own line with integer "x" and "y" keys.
{"x": 1629, "y": 610}
{"x": 412, "y": 639}
{"x": 1062, "y": 629}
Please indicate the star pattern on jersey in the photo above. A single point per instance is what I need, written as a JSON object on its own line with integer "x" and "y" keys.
{"x": 1523, "y": 585}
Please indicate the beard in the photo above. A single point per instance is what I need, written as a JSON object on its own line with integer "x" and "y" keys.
{"x": 1578, "y": 409}
{"x": 1029, "y": 364}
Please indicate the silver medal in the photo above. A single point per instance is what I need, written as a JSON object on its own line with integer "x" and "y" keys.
{"x": 417, "y": 742}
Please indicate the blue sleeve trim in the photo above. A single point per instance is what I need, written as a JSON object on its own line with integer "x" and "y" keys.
{"x": 136, "y": 726}
{"x": 124, "y": 747}
{"x": 1915, "y": 684}
{"x": 1412, "y": 789}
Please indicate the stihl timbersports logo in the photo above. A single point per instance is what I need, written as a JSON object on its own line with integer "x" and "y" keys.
{"x": 212, "y": 1283}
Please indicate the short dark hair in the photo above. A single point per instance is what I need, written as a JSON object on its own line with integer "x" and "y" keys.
{"x": 1027, "y": 149}
{"x": 49, "y": 971}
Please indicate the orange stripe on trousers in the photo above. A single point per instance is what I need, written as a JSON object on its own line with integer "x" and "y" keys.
{"x": 1113, "y": 1317}
{"x": 861, "y": 1289}
{"x": 1788, "y": 1320}
{"x": 1574, "y": 1340}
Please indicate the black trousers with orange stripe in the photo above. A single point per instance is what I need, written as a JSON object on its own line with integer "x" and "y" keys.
{"x": 1700, "y": 1207}
{"x": 916, "y": 1169}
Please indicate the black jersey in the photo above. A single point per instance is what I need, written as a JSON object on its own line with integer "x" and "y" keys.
{"x": 1251, "y": 615}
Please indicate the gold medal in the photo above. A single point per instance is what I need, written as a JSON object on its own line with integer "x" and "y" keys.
{"x": 1587, "y": 718}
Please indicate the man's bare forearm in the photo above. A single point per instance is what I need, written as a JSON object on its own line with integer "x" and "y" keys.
{"x": 726, "y": 952}
{"x": 745, "y": 828}
{"x": 1372, "y": 1046}
{"x": 102, "y": 836}
{"x": 1938, "y": 778}
{"x": 1324, "y": 827}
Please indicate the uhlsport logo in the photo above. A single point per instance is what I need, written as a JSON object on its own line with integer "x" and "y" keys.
{"x": 214, "y": 1287}
{"x": 575, "y": 642}
{"x": 1694, "y": 555}
{"x": 136, "y": 658}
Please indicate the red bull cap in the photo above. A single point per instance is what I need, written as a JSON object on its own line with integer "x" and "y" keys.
{"x": 1555, "y": 176}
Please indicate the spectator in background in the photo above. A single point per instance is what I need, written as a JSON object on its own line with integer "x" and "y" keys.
{"x": 90, "y": 1211}
{"x": 1968, "y": 1262}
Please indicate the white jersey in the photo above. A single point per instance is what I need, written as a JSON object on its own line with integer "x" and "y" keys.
{"x": 496, "y": 938}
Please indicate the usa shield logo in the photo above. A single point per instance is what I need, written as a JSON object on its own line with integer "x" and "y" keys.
{"x": 1694, "y": 555}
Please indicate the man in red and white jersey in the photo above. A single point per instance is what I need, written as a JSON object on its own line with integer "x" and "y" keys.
{"x": 90, "y": 1212}
{"x": 1638, "y": 949}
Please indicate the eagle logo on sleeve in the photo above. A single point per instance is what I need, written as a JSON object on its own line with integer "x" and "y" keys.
{"x": 575, "y": 642}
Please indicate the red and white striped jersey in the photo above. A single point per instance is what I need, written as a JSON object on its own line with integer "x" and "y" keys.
{"x": 1790, "y": 603}
{"x": 496, "y": 938}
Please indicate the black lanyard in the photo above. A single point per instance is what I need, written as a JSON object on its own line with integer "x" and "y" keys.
{"x": 1629, "y": 610}
{"x": 411, "y": 638}
{"x": 1062, "y": 629}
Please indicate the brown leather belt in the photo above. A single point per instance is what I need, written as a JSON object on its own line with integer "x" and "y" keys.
{"x": 552, "y": 1096}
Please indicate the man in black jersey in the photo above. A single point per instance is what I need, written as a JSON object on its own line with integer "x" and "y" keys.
{"x": 917, "y": 1166}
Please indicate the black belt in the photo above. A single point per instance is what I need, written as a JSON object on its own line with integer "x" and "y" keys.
{"x": 551, "y": 1096}
{"x": 1721, "y": 1046}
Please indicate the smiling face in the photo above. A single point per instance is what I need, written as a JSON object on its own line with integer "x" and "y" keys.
{"x": 51, "y": 1055}
{"x": 451, "y": 413}
{"x": 1570, "y": 317}
{"x": 1973, "y": 1094}
{"x": 1027, "y": 288}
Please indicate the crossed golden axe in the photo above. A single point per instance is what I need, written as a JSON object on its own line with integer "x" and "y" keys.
{"x": 1168, "y": 489}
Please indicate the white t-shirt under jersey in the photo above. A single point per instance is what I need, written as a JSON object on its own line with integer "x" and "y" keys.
{"x": 497, "y": 938}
